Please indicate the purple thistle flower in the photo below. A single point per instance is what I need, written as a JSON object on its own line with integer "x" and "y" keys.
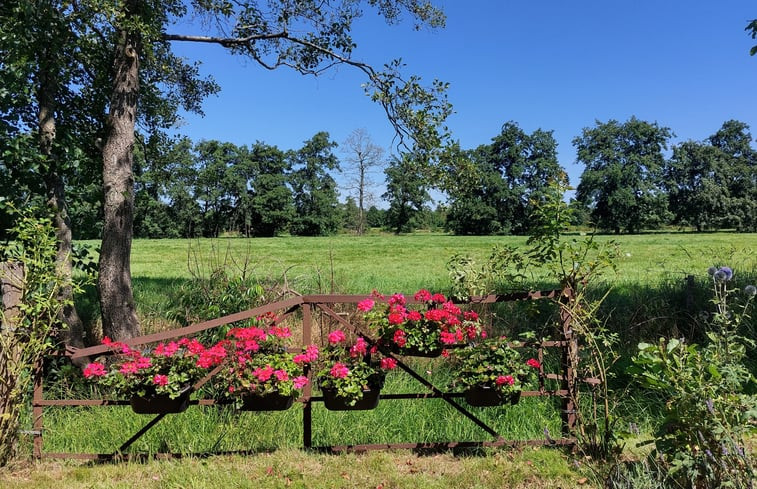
{"x": 727, "y": 271}
{"x": 720, "y": 276}
{"x": 712, "y": 270}
{"x": 750, "y": 290}
{"x": 724, "y": 449}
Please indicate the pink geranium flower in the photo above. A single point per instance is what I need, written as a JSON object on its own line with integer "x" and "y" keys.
{"x": 504, "y": 379}
{"x": 422, "y": 295}
{"x": 94, "y": 369}
{"x": 128, "y": 368}
{"x": 447, "y": 338}
{"x": 263, "y": 374}
{"x": 359, "y": 348}
{"x": 399, "y": 338}
{"x": 388, "y": 363}
{"x": 160, "y": 379}
{"x": 414, "y": 315}
{"x": 339, "y": 370}
{"x": 366, "y": 305}
{"x": 337, "y": 336}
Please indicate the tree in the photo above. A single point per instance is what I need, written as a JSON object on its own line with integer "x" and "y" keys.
{"x": 621, "y": 183}
{"x": 264, "y": 32}
{"x": 696, "y": 191}
{"x": 271, "y": 203}
{"x": 501, "y": 181}
{"x": 42, "y": 76}
{"x": 362, "y": 157}
{"x": 406, "y": 193}
{"x": 739, "y": 173}
{"x": 124, "y": 49}
{"x": 350, "y": 215}
{"x": 314, "y": 190}
{"x": 475, "y": 202}
{"x": 375, "y": 217}
{"x": 752, "y": 29}
{"x": 221, "y": 188}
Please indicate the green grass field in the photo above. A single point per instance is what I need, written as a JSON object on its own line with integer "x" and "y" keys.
{"x": 647, "y": 288}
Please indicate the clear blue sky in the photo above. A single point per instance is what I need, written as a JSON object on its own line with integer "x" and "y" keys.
{"x": 553, "y": 64}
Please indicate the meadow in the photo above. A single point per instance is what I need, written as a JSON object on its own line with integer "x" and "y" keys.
{"x": 648, "y": 296}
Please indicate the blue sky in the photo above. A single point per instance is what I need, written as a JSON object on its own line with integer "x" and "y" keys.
{"x": 554, "y": 64}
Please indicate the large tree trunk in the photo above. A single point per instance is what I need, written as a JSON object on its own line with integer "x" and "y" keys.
{"x": 55, "y": 187}
{"x": 116, "y": 297}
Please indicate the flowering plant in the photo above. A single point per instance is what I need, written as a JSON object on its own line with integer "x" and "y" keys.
{"x": 404, "y": 329}
{"x": 349, "y": 369}
{"x": 167, "y": 369}
{"x": 260, "y": 364}
{"x": 493, "y": 363}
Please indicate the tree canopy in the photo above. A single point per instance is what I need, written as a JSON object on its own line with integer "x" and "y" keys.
{"x": 621, "y": 183}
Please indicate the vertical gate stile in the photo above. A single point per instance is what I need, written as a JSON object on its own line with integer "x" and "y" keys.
{"x": 307, "y": 410}
{"x": 569, "y": 362}
{"x": 37, "y": 409}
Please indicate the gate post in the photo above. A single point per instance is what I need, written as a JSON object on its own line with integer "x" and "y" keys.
{"x": 307, "y": 409}
{"x": 569, "y": 362}
{"x": 11, "y": 293}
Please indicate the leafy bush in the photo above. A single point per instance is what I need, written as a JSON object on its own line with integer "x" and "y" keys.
{"x": 29, "y": 332}
{"x": 708, "y": 411}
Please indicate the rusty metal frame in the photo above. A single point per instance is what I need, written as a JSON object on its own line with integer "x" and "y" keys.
{"x": 309, "y": 304}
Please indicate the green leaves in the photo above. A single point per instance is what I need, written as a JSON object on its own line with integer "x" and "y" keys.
{"x": 752, "y": 29}
{"x": 621, "y": 183}
{"x": 708, "y": 411}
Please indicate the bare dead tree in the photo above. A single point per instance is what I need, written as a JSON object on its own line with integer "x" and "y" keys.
{"x": 362, "y": 157}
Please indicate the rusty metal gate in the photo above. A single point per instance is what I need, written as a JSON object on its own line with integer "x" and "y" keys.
{"x": 306, "y": 307}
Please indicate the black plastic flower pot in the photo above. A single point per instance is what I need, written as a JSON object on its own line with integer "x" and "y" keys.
{"x": 334, "y": 402}
{"x": 160, "y": 404}
{"x": 485, "y": 396}
{"x": 267, "y": 402}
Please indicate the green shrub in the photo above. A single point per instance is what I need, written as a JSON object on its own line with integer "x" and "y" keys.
{"x": 708, "y": 411}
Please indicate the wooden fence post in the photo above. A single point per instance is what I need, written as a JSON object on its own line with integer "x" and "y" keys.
{"x": 11, "y": 290}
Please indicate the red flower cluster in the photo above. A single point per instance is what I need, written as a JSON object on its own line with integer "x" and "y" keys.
{"x": 136, "y": 361}
{"x": 442, "y": 320}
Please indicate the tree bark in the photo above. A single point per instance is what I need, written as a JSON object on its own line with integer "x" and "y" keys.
{"x": 114, "y": 282}
{"x": 11, "y": 283}
{"x": 55, "y": 188}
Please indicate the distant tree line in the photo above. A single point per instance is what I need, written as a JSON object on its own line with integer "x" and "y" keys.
{"x": 632, "y": 181}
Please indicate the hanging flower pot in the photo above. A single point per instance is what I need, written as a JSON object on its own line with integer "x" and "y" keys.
{"x": 334, "y": 402}
{"x": 273, "y": 401}
{"x": 483, "y": 396}
{"x": 160, "y": 404}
